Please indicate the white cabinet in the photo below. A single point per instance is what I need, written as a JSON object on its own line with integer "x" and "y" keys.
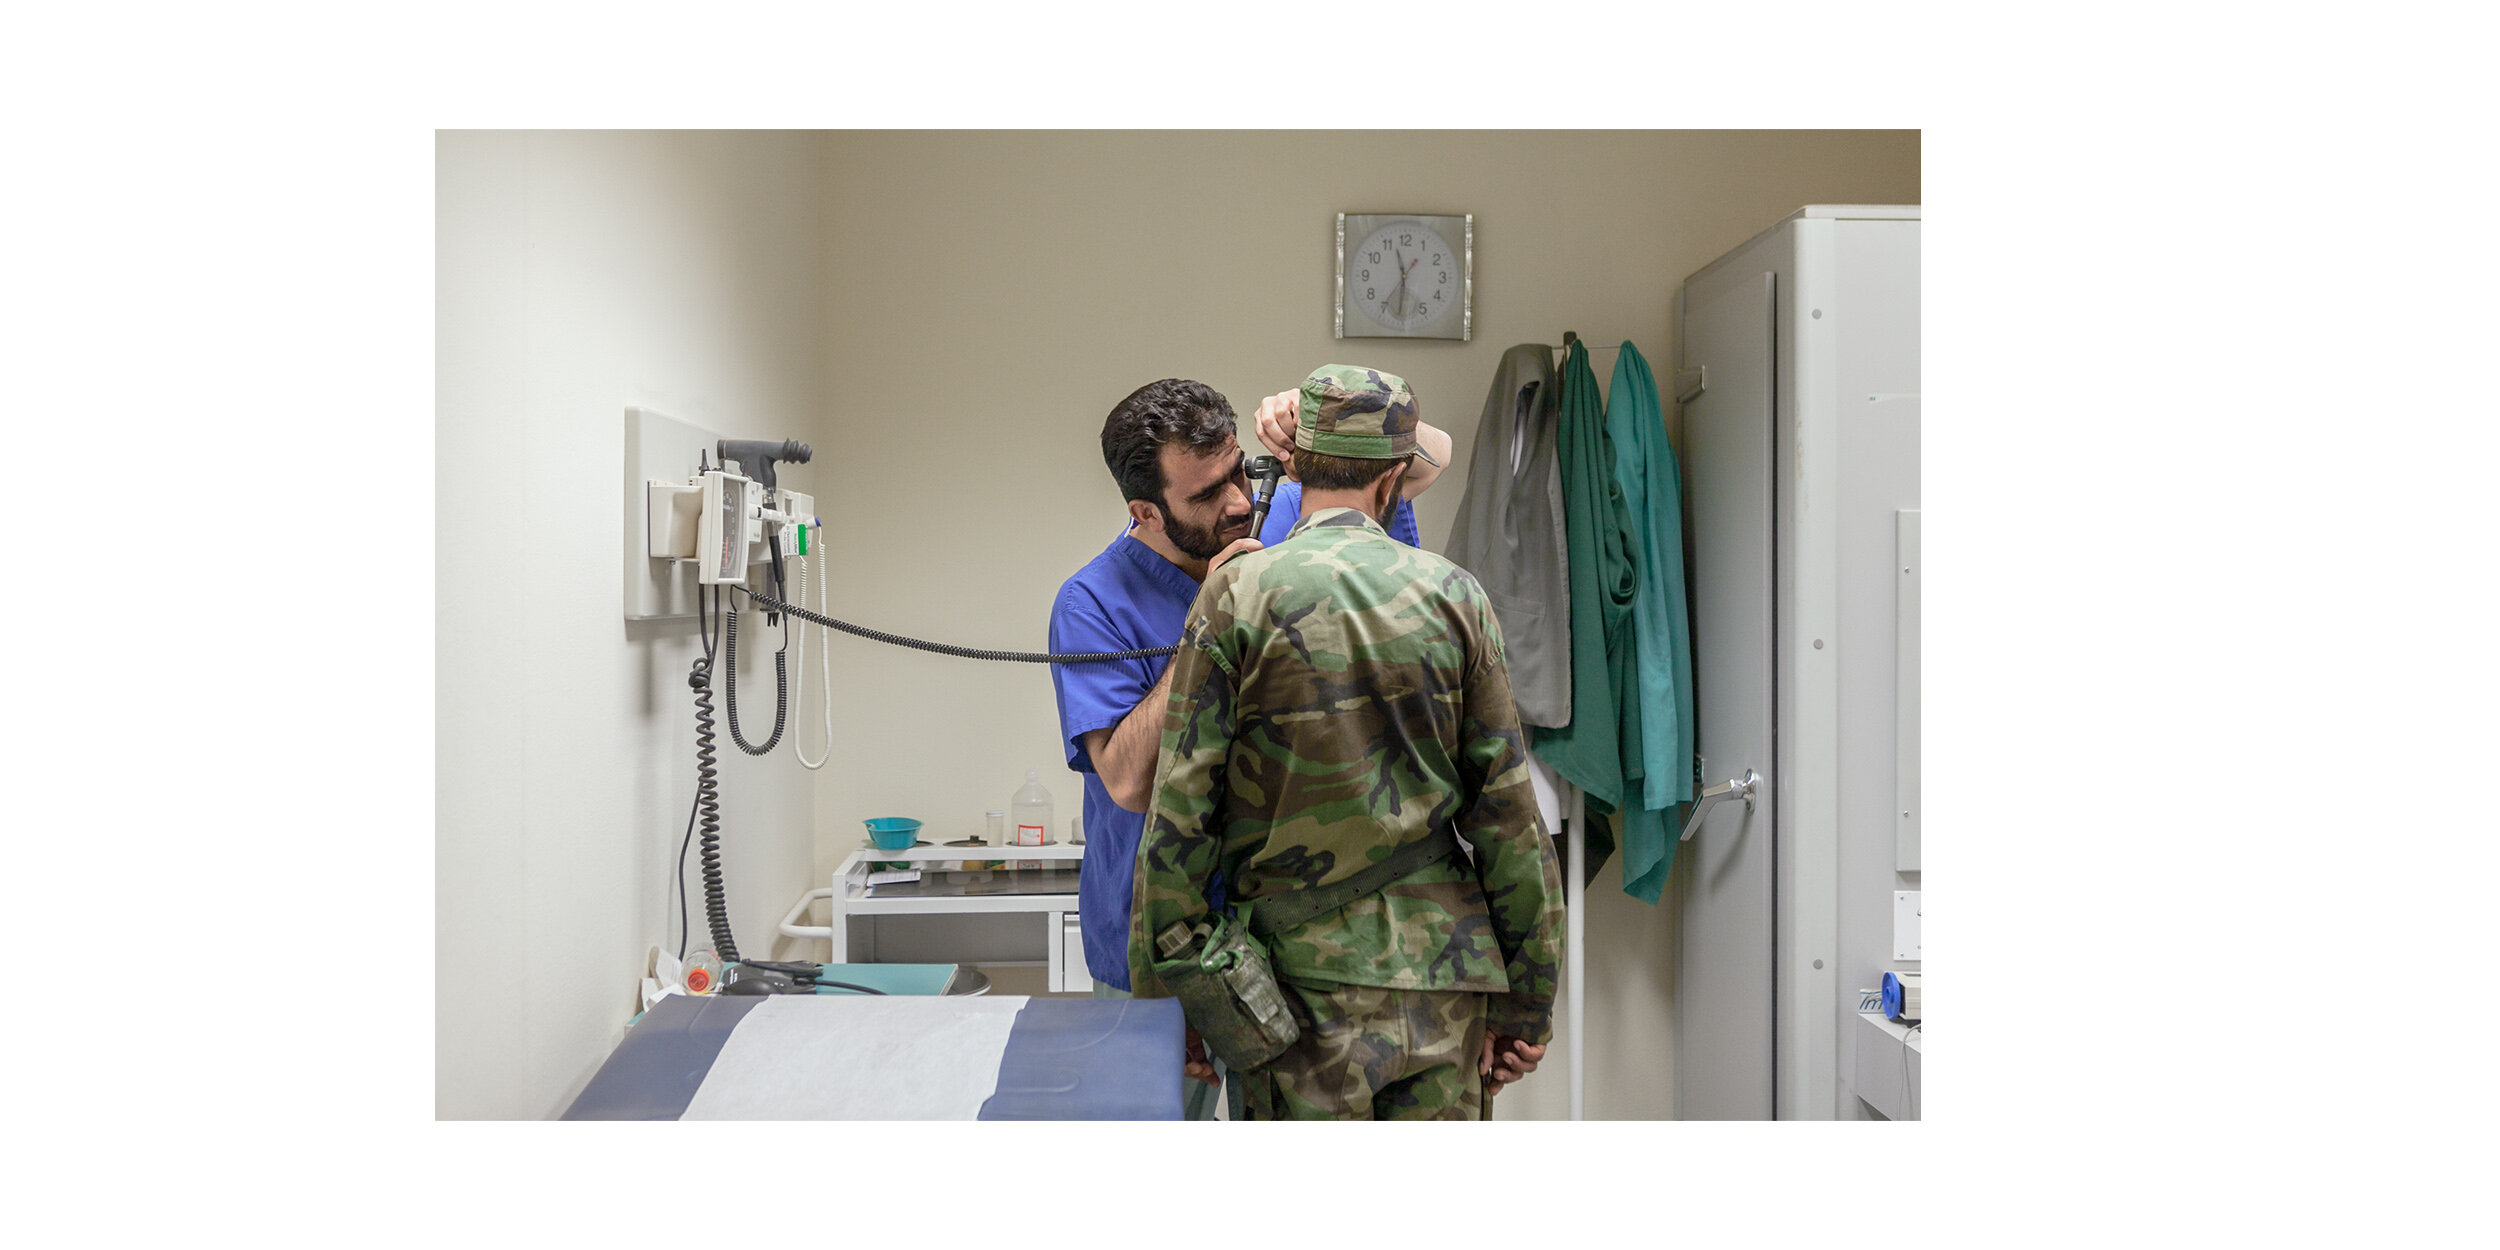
{"x": 1799, "y": 383}
{"x": 1886, "y": 1075}
{"x": 1067, "y": 968}
{"x": 1053, "y": 916}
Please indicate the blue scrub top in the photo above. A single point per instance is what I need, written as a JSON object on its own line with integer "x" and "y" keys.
{"x": 1129, "y": 599}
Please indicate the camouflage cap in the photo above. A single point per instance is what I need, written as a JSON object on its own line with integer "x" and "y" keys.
{"x": 1357, "y": 413}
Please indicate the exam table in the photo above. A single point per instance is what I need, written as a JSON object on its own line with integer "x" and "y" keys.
{"x": 893, "y": 1057}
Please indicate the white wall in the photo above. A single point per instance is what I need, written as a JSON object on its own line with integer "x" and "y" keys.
{"x": 578, "y": 274}
{"x": 988, "y": 297}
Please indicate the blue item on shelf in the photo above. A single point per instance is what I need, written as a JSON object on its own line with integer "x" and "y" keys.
{"x": 1897, "y": 1003}
{"x": 893, "y": 833}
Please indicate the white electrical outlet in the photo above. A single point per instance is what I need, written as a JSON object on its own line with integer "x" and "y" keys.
{"x": 1905, "y": 917}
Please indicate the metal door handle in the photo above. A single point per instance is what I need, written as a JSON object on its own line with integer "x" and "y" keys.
{"x": 1741, "y": 788}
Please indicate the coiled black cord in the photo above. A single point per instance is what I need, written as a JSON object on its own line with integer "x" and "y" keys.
{"x": 707, "y": 796}
{"x": 969, "y": 653}
{"x": 682, "y": 844}
{"x": 781, "y": 688}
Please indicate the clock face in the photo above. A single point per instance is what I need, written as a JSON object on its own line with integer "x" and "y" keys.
{"x": 1404, "y": 275}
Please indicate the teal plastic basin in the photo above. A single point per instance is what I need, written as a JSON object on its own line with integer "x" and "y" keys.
{"x": 893, "y": 833}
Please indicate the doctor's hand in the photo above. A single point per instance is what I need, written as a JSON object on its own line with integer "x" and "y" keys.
{"x": 1506, "y": 1059}
{"x": 1237, "y": 547}
{"x": 1279, "y": 417}
{"x": 1194, "y": 1061}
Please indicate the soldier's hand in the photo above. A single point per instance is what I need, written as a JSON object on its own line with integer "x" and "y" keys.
{"x": 1279, "y": 417}
{"x": 1507, "y": 1059}
{"x": 1239, "y": 545}
{"x": 1194, "y": 1061}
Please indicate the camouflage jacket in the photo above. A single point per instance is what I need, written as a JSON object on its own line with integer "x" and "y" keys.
{"x": 1337, "y": 696}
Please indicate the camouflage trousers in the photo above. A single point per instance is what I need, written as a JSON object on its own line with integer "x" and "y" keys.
{"x": 1374, "y": 1054}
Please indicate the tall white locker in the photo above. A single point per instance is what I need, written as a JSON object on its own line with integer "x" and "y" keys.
{"x": 1799, "y": 377}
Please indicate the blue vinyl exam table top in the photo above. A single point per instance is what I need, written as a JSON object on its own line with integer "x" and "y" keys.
{"x": 1064, "y": 1059}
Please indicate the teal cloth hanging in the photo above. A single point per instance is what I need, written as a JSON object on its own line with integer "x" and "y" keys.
{"x": 1645, "y": 470}
{"x": 1600, "y": 750}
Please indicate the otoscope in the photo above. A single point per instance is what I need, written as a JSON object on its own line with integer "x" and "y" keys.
{"x": 1266, "y": 471}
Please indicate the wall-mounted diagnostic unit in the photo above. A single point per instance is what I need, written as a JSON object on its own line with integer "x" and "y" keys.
{"x": 702, "y": 510}
{"x": 704, "y": 514}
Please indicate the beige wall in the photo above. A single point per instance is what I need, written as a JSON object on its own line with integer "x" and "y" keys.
{"x": 578, "y": 273}
{"x": 987, "y": 297}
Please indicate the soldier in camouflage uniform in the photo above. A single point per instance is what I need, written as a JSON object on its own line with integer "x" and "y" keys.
{"x": 1336, "y": 697}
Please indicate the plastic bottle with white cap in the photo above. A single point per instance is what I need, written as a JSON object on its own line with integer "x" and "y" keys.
{"x": 1031, "y": 810}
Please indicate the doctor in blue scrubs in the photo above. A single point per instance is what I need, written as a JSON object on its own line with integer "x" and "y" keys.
{"x": 1172, "y": 448}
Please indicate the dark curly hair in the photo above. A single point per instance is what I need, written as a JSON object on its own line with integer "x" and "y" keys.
{"x": 1173, "y": 410}
{"x": 1320, "y": 472}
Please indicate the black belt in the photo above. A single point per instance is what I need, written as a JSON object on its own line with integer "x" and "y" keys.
{"x": 1277, "y": 913}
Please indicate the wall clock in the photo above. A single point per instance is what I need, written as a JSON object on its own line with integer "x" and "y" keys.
{"x": 1406, "y": 276}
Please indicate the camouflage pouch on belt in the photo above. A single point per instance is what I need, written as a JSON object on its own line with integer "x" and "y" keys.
{"x": 1230, "y": 993}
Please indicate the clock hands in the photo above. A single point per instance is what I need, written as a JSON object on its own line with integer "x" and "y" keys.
{"x": 1400, "y": 295}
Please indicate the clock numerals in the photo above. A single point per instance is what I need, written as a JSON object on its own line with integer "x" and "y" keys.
{"x": 1404, "y": 270}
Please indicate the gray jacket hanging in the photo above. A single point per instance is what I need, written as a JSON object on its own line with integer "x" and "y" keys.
{"x": 1509, "y": 532}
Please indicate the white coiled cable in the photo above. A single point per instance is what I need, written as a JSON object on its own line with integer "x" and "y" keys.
{"x": 824, "y": 643}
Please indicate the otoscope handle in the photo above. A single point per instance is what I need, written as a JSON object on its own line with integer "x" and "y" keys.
{"x": 1269, "y": 471}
